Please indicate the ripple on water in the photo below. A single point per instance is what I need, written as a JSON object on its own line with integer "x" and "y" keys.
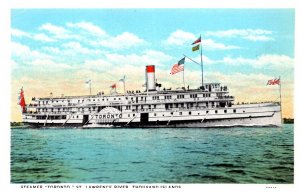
{"x": 235, "y": 155}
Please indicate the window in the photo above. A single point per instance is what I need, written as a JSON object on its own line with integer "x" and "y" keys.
{"x": 225, "y": 111}
{"x": 168, "y": 97}
{"x": 180, "y": 96}
{"x": 216, "y": 111}
{"x": 207, "y": 112}
{"x": 180, "y": 113}
{"x": 133, "y": 115}
{"x": 171, "y": 113}
{"x": 234, "y": 110}
{"x": 190, "y": 113}
{"x": 128, "y": 115}
{"x": 155, "y": 114}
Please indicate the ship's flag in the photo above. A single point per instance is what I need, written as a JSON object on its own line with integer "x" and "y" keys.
{"x": 89, "y": 81}
{"x": 197, "y": 41}
{"x": 178, "y": 67}
{"x": 195, "y": 48}
{"x": 181, "y": 61}
{"x": 273, "y": 82}
{"x": 22, "y": 100}
{"x": 122, "y": 80}
{"x": 113, "y": 86}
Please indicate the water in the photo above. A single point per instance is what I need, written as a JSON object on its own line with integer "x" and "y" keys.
{"x": 220, "y": 155}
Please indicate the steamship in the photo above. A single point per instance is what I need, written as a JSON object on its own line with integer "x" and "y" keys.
{"x": 209, "y": 105}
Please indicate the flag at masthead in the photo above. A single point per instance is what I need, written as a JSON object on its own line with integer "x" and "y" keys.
{"x": 22, "y": 102}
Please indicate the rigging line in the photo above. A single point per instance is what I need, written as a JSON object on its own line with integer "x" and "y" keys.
{"x": 192, "y": 59}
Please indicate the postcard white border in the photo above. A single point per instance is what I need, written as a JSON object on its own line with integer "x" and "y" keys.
{"x": 6, "y": 6}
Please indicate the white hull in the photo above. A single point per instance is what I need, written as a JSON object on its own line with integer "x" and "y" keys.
{"x": 251, "y": 115}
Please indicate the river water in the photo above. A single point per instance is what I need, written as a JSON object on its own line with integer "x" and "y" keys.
{"x": 215, "y": 155}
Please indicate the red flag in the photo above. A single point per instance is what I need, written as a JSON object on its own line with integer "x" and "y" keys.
{"x": 22, "y": 101}
{"x": 113, "y": 86}
{"x": 273, "y": 82}
{"x": 197, "y": 41}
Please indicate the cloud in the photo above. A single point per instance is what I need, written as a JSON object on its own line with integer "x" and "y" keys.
{"x": 58, "y": 32}
{"x": 19, "y": 33}
{"x": 263, "y": 61}
{"x": 50, "y": 65}
{"x": 24, "y": 53}
{"x": 97, "y": 65}
{"x": 122, "y": 41}
{"x": 88, "y": 27}
{"x": 43, "y": 38}
{"x": 148, "y": 57}
{"x": 180, "y": 37}
{"x": 39, "y": 37}
{"x": 277, "y": 61}
{"x": 53, "y": 50}
{"x": 72, "y": 48}
{"x": 249, "y": 34}
{"x": 53, "y": 29}
{"x": 212, "y": 45}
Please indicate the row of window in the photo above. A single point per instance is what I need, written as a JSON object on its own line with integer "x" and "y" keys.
{"x": 180, "y": 96}
{"x": 190, "y": 113}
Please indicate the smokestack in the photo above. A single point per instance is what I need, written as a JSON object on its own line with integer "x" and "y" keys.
{"x": 150, "y": 77}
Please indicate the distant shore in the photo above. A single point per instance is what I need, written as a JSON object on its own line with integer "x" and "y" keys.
{"x": 288, "y": 120}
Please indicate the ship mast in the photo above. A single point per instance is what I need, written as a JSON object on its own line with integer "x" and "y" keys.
{"x": 201, "y": 60}
{"x": 280, "y": 99}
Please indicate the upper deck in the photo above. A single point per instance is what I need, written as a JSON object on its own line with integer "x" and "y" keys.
{"x": 210, "y": 92}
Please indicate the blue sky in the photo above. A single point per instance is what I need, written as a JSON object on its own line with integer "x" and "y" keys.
{"x": 64, "y": 45}
{"x": 154, "y": 26}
